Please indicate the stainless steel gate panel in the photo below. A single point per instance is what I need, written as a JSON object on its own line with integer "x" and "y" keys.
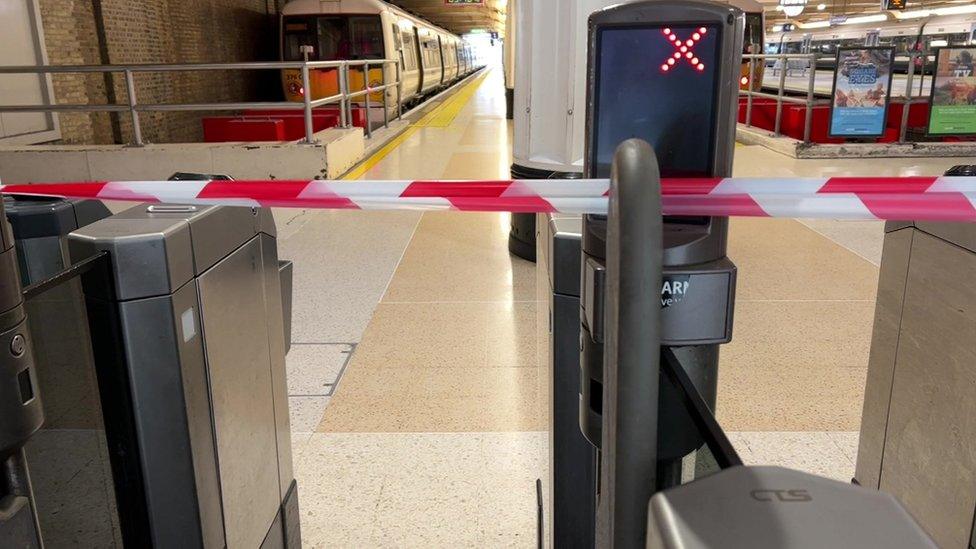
{"x": 199, "y": 296}
{"x": 238, "y": 358}
{"x": 173, "y": 420}
{"x": 278, "y": 337}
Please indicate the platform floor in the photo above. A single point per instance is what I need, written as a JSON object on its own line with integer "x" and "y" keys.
{"x": 418, "y": 406}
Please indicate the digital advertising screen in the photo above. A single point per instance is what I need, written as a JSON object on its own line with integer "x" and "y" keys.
{"x": 862, "y": 87}
{"x": 657, "y": 83}
{"x": 953, "y": 97}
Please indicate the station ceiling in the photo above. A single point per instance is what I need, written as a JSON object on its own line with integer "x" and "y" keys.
{"x": 849, "y": 8}
{"x": 459, "y": 17}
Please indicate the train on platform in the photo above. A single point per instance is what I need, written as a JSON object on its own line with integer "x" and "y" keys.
{"x": 906, "y": 32}
{"x": 752, "y": 42}
{"x": 429, "y": 57}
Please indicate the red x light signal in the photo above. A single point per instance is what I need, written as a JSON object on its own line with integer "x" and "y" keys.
{"x": 684, "y": 48}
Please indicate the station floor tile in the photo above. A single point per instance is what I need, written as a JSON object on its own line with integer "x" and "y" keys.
{"x": 343, "y": 262}
{"x": 314, "y": 368}
{"x": 781, "y": 259}
{"x": 461, "y": 257}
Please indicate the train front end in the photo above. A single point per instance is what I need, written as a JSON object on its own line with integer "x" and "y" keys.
{"x": 332, "y": 37}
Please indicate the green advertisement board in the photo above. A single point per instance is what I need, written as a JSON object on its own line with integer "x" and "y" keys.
{"x": 953, "y": 98}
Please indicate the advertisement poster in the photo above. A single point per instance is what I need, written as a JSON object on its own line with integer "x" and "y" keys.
{"x": 862, "y": 83}
{"x": 953, "y": 97}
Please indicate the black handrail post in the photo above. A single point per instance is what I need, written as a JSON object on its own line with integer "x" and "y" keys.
{"x": 632, "y": 346}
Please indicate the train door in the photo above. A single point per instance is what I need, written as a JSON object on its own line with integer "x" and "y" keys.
{"x": 440, "y": 48}
{"x": 410, "y": 71}
{"x": 422, "y": 82}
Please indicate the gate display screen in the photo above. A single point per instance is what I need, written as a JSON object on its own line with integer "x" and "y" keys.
{"x": 659, "y": 84}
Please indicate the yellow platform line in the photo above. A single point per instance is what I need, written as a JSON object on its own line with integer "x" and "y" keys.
{"x": 445, "y": 114}
{"x": 432, "y": 119}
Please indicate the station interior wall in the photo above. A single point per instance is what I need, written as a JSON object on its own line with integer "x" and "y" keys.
{"x": 157, "y": 31}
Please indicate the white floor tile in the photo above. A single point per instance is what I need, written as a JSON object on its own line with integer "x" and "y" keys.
{"x": 313, "y": 370}
{"x": 306, "y": 412}
{"x": 813, "y": 452}
{"x": 421, "y": 489}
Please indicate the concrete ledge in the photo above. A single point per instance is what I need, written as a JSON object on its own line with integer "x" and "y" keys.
{"x": 797, "y": 149}
{"x": 335, "y": 151}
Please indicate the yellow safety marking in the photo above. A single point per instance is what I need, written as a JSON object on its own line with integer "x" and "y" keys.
{"x": 444, "y": 115}
{"x": 452, "y": 106}
{"x": 379, "y": 155}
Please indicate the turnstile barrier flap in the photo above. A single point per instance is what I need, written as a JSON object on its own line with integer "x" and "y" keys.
{"x": 159, "y": 248}
{"x": 762, "y": 506}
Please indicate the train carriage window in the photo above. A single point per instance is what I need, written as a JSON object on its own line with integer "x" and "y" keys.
{"x": 409, "y": 51}
{"x": 754, "y": 33}
{"x": 432, "y": 53}
{"x": 365, "y": 38}
{"x": 334, "y": 37}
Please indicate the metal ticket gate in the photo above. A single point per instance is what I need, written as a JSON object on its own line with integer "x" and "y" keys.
{"x": 67, "y": 457}
{"x": 21, "y": 413}
{"x": 666, "y": 72}
{"x": 190, "y": 348}
{"x": 656, "y": 300}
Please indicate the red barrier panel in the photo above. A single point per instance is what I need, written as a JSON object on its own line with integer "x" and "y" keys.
{"x": 220, "y": 129}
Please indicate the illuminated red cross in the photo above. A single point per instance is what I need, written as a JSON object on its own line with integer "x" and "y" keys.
{"x": 683, "y": 49}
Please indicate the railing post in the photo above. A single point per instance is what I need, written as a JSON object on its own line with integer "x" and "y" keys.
{"x": 307, "y": 97}
{"x": 369, "y": 126}
{"x": 906, "y": 108}
{"x": 921, "y": 77}
{"x": 130, "y": 94}
{"x": 399, "y": 91}
{"x": 752, "y": 72}
{"x": 343, "y": 69}
{"x": 386, "y": 115}
{"x": 779, "y": 95}
{"x": 810, "y": 87}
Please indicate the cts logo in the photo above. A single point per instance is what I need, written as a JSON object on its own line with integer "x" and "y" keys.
{"x": 786, "y": 496}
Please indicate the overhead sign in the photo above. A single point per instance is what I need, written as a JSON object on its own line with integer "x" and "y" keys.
{"x": 837, "y": 19}
{"x": 952, "y": 102}
{"x": 859, "y": 101}
{"x": 894, "y": 4}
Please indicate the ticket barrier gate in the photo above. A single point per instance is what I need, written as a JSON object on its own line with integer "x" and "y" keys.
{"x": 197, "y": 458}
{"x": 21, "y": 413}
{"x": 191, "y": 348}
{"x": 640, "y": 503}
{"x": 656, "y": 299}
{"x": 67, "y": 457}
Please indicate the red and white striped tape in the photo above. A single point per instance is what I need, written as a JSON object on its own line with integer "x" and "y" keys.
{"x": 903, "y": 198}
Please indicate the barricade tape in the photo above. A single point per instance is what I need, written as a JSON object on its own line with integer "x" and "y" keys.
{"x": 901, "y": 198}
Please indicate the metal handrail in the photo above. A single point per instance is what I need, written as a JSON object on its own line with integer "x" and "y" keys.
{"x": 809, "y": 98}
{"x": 133, "y": 107}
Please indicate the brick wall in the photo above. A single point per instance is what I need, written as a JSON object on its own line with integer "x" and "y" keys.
{"x": 71, "y": 39}
{"x": 159, "y": 31}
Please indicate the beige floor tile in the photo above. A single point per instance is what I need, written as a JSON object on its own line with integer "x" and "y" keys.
{"x": 478, "y": 165}
{"x": 487, "y": 132}
{"x": 462, "y": 257}
{"x": 782, "y": 259}
{"x": 763, "y": 398}
{"x": 800, "y": 335}
{"x": 409, "y": 413}
{"x": 423, "y": 335}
